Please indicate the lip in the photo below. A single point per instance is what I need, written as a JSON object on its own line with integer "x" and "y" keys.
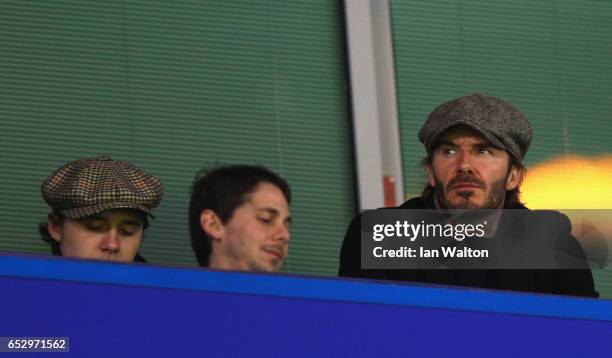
{"x": 466, "y": 186}
{"x": 276, "y": 253}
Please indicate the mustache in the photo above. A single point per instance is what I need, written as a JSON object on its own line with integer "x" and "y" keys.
{"x": 466, "y": 178}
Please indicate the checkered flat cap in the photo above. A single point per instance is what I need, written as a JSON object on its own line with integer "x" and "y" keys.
{"x": 88, "y": 186}
{"x": 497, "y": 120}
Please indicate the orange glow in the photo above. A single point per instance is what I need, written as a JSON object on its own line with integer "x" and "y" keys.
{"x": 569, "y": 182}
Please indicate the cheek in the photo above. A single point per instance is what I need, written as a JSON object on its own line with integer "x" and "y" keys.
{"x": 498, "y": 174}
{"x": 76, "y": 242}
{"x": 129, "y": 247}
{"x": 132, "y": 242}
{"x": 238, "y": 237}
{"x": 233, "y": 233}
{"x": 256, "y": 236}
{"x": 442, "y": 171}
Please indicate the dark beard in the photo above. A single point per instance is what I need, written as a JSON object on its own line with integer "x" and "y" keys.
{"x": 495, "y": 200}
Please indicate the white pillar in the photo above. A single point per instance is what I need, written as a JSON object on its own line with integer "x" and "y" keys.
{"x": 374, "y": 101}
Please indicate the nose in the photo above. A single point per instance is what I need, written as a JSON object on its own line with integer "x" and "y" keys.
{"x": 464, "y": 164}
{"x": 282, "y": 233}
{"x": 111, "y": 241}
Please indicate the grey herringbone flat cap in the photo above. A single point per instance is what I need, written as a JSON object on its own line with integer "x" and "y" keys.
{"x": 88, "y": 186}
{"x": 499, "y": 121}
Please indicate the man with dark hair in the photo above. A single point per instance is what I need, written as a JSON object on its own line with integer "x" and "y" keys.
{"x": 475, "y": 148}
{"x": 239, "y": 218}
{"x": 100, "y": 209}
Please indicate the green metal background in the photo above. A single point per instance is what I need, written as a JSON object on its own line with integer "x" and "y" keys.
{"x": 174, "y": 86}
{"x": 550, "y": 58}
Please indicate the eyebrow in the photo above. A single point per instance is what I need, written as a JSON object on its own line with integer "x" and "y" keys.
{"x": 276, "y": 212}
{"x": 446, "y": 142}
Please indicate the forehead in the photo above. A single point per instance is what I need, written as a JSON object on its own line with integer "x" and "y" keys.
{"x": 267, "y": 195}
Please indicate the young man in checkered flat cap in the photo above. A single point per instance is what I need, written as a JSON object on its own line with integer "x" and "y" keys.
{"x": 100, "y": 209}
{"x": 475, "y": 147}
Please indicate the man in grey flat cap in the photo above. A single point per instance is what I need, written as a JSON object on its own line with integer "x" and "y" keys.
{"x": 475, "y": 147}
{"x": 100, "y": 209}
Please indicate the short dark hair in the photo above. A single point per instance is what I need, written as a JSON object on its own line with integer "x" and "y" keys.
{"x": 59, "y": 218}
{"x": 222, "y": 190}
{"x": 43, "y": 229}
{"x": 513, "y": 197}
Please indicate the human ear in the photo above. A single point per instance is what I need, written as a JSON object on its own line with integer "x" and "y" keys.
{"x": 212, "y": 224}
{"x": 430, "y": 176}
{"x": 54, "y": 227}
{"x": 513, "y": 178}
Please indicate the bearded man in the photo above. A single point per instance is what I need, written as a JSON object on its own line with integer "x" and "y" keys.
{"x": 475, "y": 147}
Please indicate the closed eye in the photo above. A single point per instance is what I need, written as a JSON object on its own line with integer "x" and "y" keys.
{"x": 128, "y": 232}
{"x": 93, "y": 225}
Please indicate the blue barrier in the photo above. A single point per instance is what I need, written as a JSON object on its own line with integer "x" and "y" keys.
{"x": 132, "y": 310}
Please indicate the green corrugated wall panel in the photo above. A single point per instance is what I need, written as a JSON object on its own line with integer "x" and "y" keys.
{"x": 550, "y": 58}
{"x": 174, "y": 86}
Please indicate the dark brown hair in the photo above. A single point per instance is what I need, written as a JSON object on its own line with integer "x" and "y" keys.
{"x": 223, "y": 190}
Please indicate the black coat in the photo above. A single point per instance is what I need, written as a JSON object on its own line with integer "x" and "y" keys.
{"x": 578, "y": 282}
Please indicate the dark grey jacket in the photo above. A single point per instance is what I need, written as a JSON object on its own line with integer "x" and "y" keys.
{"x": 578, "y": 282}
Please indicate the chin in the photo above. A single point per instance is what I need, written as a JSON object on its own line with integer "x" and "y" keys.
{"x": 274, "y": 267}
{"x": 263, "y": 268}
{"x": 466, "y": 204}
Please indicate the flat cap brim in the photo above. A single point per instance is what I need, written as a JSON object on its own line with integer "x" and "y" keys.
{"x": 79, "y": 213}
{"x": 435, "y": 136}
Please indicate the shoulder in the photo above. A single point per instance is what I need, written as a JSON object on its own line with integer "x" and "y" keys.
{"x": 548, "y": 221}
{"x": 350, "y": 251}
{"x": 140, "y": 258}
